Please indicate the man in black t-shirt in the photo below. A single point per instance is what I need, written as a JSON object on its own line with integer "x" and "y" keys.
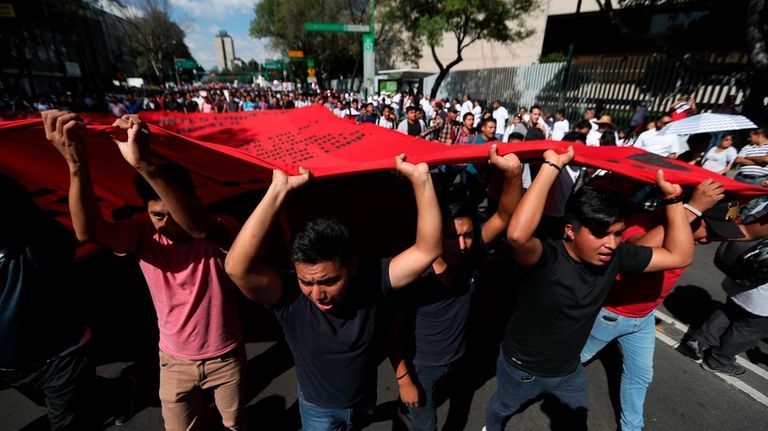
{"x": 328, "y": 306}
{"x": 563, "y": 285}
{"x": 439, "y": 303}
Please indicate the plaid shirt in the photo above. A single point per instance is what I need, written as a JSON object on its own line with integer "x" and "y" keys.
{"x": 444, "y": 130}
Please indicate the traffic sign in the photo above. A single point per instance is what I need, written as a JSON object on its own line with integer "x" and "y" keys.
{"x": 368, "y": 42}
{"x": 185, "y": 63}
{"x": 273, "y": 65}
{"x": 337, "y": 27}
{"x": 311, "y": 72}
{"x": 296, "y": 54}
{"x": 310, "y": 62}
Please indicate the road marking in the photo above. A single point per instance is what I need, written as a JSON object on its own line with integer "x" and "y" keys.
{"x": 739, "y": 360}
{"x": 733, "y": 381}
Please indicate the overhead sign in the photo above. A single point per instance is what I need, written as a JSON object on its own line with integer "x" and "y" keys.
{"x": 296, "y": 54}
{"x": 273, "y": 65}
{"x": 185, "y": 63}
{"x": 6, "y": 11}
{"x": 337, "y": 27}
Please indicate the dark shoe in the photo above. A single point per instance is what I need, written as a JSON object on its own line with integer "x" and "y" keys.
{"x": 730, "y": 370}
{"x": 126, "y": 405}
{"x": 694, "y": 348}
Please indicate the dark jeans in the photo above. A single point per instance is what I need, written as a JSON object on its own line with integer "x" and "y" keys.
{"x": 424, "y": 417}
{"x": 514, "y": 387}
{"x": 316, "y": 418}
{"x": 729, "y": 331}
{"x": 62, "y": 384}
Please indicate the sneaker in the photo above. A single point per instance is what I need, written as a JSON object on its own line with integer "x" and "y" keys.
{"x": 730, "y": 370}
{"x": 695, "y": 349}
{"x": 125, "y": 407}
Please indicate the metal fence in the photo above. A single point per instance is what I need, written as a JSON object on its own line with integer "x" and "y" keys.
{"x": 614, "y": 85}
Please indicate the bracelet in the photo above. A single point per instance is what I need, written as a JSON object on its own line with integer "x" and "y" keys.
{"x": 404, "y": 374}
{"x": 693, "y": 210}
{"x": 554, "y": 165}
{"x": 672, "y": 200}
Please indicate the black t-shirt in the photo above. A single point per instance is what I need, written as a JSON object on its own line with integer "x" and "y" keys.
{"x": 438, "y": 309}
{"x": 534, "y": 134}
{"x": 334, "y": 350}
{"x": 38, "y": 319}
{"x": 414, "y": 129}
{"x": 557, "y": 303}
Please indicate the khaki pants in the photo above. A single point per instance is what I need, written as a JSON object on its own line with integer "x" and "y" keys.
{"x": 182, "y": 386}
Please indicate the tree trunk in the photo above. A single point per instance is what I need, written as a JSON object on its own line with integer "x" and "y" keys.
{"x": 754, "y": 107}
{"x": 438, "y": 82}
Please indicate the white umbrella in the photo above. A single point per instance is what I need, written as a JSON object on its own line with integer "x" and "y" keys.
{"x": 707, "y": 122}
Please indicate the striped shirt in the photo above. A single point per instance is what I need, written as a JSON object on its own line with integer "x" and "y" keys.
{"x": 753, "y": 170}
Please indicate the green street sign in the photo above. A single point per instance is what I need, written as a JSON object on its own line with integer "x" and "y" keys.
{"x": 310, "y": 62}
{"x": 273, "y": 65}
{"x": 185, "y": 63}
{"x": 337, "y": 27}
{"x": 368, "y": 42}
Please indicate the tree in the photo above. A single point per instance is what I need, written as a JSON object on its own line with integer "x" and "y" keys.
{"x": 155, "y": 39}
{"x": 754, "y": 77}
{"x": 427, "y": 22}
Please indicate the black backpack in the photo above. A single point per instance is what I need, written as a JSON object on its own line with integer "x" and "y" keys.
{"x": 746, "y": 261}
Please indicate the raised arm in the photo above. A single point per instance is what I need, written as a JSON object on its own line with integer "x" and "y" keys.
{"x": 677, "y": 247}
{"x": 525, "y": 247}
{"x": 61, "y": 131}
{"x": 185, "y": 207}
{"x": 244, "y": 263}
{"x": 705, "y": 196}
{"x": 408, "y": 265}
{"x": 510, "y": 195}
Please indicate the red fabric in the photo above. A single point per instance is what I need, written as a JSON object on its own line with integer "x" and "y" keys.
{"x": 636, "y": 295}
{"x": 230, "y": 153}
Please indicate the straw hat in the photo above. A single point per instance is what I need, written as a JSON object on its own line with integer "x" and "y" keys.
{"x": 605, "y": 119}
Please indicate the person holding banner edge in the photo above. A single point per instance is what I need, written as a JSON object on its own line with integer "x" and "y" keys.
{"x": 329, "y": 304}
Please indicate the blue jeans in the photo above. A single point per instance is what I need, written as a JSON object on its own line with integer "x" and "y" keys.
{"x": 424, "y": 417}
{"x": 637, "y": 339}
{"x": 316, "y": 418}
{"x": 514, "y": 387}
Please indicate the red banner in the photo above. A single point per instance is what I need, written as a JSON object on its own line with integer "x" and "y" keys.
{"x": 231, "y": 153}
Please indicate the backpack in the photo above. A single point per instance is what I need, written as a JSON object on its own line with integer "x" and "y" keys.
{"x": 746, "y": 261}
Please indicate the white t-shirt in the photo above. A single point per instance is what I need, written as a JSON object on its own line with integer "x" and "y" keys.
{"x": 559, "y": 129}
{"x": 501, "y": 115}
{"x": 662, "y": 145}
{"x": 717, "y": 161}
{"x": 750, "y": 298}
{"x": 477, "y": 111}
{"x": 465, "y": 107}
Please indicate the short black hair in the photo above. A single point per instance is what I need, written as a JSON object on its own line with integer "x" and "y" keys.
{"x": 594, "y": 208}
{"x": 322, "y": 240}
{"x": 534, "y": 107}
{"x": 575, "y": 137}
{"x": 454, "y": 203}
{"x": 515, "y": 136}
{"x": 583, "y": 124}
{"x": 176, "y": 174}
{"x": 466, "y": 115}
{"x": 411, "y": 108}
{"x": 485, "y": 121}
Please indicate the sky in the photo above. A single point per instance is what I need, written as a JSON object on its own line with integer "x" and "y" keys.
{"x": 202, "y": 20}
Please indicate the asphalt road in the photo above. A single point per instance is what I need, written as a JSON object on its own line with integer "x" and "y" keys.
{"x": 682, "y": 396}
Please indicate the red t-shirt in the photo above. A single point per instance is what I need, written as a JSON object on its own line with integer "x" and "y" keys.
{"x": 637, "y": 295}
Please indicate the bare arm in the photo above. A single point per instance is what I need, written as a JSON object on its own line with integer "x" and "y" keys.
{"x": 61, "y": 131}
{"x": 705, "y": 196}
{"x": 244, "y": 262}
{"x": 677, "y": 247}
{"x": 409, "y": 391}
{"x": 526, "y": 248}
{"x": 408, "y": 265}
{"x": 510, "y": 195}
{"x": 185, "y": 207}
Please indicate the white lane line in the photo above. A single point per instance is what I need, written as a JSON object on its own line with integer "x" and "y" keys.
{"x": 739, "y": 360}
{"x": 733, "y": 381}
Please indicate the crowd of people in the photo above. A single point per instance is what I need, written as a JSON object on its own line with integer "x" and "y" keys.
{"x": 590, "y": 261}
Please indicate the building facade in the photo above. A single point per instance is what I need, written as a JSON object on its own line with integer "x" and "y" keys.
{"x": 225, "y": 51}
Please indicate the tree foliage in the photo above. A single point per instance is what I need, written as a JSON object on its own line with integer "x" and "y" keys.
{"x": 335, "y": 54}
{"x": 754, "y": 77}
{"x": 428, "y": 22}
